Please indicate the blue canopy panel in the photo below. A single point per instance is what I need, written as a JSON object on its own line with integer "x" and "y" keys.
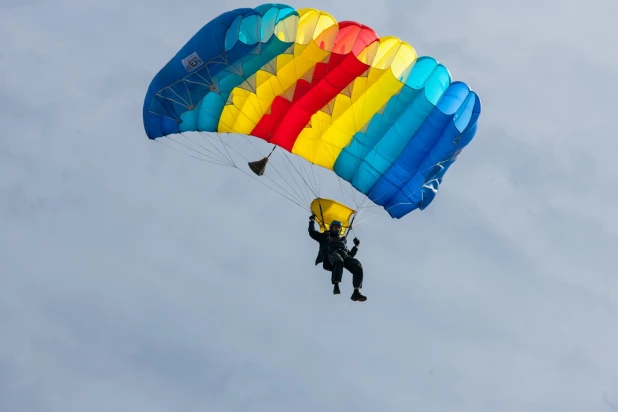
{"x": 222, "y": 55}
{"x": 414, "y": 178}
{"x": 400, "y": 158}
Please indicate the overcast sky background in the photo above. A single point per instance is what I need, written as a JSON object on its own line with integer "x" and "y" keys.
{"x": 133, "y": 278}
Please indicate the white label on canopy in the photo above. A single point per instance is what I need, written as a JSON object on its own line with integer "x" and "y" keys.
{"x": 192, "y": 62}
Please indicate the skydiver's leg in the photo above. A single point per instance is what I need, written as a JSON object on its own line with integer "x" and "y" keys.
{"x": 355, "y": 267}
{"x": 336, "y": 274}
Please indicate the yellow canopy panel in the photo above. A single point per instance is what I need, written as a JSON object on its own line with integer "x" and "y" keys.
{"x": 327, "y": 210}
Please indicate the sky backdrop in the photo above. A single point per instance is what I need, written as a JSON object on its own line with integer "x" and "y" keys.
{"x": 133, "y": 278}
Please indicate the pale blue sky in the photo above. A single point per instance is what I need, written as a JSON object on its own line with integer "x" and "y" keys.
{"x": 135, "y": 279}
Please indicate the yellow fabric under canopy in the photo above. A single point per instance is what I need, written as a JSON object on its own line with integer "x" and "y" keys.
{"x": 327, "y": 210}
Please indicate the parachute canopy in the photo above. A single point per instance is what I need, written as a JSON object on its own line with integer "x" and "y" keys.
{"x": 336, "y": 94}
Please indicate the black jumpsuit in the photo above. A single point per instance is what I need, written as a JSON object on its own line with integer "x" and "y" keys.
{"x": 333, "y": 249}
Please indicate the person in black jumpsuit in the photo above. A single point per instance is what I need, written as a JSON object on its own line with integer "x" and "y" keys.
{"x": 336, "y": 256}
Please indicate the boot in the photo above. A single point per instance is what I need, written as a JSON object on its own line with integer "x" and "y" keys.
{"x": 357, "y": 297}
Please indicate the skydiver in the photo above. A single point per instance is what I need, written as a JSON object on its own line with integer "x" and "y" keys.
{"x": 336, "y": 256}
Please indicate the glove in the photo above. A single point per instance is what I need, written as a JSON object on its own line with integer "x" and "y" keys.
{"x": 356, "y": 242}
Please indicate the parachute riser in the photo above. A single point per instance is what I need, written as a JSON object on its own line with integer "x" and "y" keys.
{"x": 322, "y": 215}
{"x": 351, "y": 223}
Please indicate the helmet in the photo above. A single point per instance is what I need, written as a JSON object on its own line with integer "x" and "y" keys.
{"x": 335, "y": 227}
